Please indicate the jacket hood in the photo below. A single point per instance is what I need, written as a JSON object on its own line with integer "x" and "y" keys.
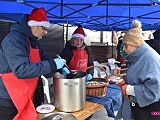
{"x": 22, "y": 27}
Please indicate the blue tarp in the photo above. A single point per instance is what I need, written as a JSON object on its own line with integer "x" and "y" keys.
{"x": 112, "y": 100}
{"x": 101, "y": 15}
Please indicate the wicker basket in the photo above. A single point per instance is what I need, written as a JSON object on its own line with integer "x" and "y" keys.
{"x": 97, "y": 89}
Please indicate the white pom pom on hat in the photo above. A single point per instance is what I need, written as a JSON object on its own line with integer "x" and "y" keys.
{"x": 79, "y": 32}
{"x": 136, "y": 24}
{"x": 38, "y": 17}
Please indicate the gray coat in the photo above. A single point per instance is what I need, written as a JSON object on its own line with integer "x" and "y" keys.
{"x": 144, "y": 74}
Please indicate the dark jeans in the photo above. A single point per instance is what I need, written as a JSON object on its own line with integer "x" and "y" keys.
{"x": 150, "y": 112}
{"x": 7, "y": 113}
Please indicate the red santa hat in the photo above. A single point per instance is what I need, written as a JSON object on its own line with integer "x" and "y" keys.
{"x": 79, "y": 32}
{"x": 38, "y": 17}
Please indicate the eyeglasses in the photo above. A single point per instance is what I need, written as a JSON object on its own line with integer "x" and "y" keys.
{"x": 44, "y": 28}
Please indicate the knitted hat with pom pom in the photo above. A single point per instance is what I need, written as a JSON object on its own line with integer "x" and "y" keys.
{"x": 134, "y": 35}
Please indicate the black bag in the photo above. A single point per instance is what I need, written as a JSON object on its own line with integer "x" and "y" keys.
{"x": 150, "y": 112}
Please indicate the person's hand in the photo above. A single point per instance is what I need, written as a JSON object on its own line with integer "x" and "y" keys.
{"x": 59, "y": 62}
{"x": 65, "y": 71}
{"x": 116, "y": 71}
{"x": 88, "y": 77}
{"x": 123, "y": 87}
{"x": 120, "y": 82}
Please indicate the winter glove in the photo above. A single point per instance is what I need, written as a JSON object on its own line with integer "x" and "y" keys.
{"x": 65, "y": 71}
{"x": 88, "y": 77}
{"x": 59, "y": 62}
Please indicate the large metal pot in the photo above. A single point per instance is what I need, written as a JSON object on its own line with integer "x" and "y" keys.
{"x": 70, "y": 94}
{"x": 58, "y": 116}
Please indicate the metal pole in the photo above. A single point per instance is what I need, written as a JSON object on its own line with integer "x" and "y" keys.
{"x": 112, "y": 43}
{"x": 67, "y": 32}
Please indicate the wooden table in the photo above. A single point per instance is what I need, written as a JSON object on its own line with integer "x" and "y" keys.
{"x": 84, "y": 113}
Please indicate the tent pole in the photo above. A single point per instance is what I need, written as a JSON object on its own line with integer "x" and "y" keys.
{"x": 129, "y": 14}
{"x": 67, "y": 32}
{"x": 101, "y": 37}
{"x": 112, "y": 43}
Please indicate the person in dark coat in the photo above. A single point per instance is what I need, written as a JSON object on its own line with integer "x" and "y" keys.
{"x": 119, "y": 48}
{"x": 155, "y": 43}
{"x": 22, "y": 61}
{"x": 76, "y": 53}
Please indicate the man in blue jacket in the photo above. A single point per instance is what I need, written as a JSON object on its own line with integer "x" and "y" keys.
{"x": 22, "y": 62}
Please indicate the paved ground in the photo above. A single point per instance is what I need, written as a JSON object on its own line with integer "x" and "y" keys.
{"x": 101, "y": 114}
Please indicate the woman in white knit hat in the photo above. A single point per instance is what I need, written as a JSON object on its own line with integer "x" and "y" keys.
{"x": 141, "y": 85}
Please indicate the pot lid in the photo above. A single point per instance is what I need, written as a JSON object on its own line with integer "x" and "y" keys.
{"x": 58, "y": 116}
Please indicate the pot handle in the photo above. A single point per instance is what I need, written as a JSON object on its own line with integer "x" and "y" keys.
{"x": 71, "y": 83}
{"x": 57, "y": 117}
{"x": 101, "y": 68}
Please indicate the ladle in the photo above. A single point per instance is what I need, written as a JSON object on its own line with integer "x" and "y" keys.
{"x": 72, "y": 73}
